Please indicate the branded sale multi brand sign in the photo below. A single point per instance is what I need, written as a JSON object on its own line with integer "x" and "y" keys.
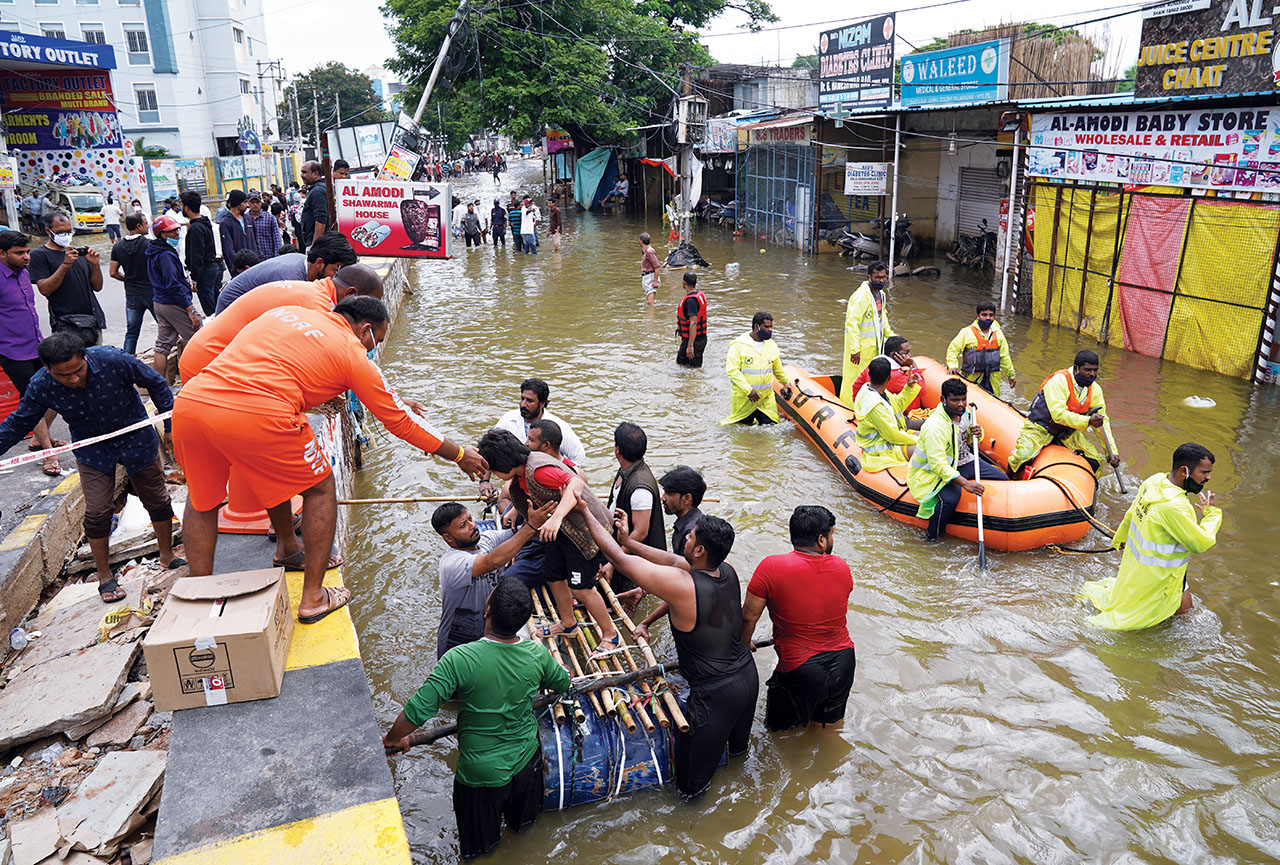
{"x": 59, "y": 111}
{"x": 1229, "y": 149}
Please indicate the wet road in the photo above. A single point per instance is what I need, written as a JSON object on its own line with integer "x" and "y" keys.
{"x": 988, "y": 722}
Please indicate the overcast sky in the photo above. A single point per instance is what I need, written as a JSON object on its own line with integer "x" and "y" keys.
{"x": 304, "y": 33}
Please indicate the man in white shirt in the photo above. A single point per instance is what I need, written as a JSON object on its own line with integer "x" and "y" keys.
{"x": 534, "y": 395}
{"x": 530, "y": 216}
{"x": 111, "y": 219}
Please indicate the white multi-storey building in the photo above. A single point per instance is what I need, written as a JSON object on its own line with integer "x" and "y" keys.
{"x": 187, "y": 76}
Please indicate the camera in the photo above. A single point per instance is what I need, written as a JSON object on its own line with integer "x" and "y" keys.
{"x": 83, "y": 250}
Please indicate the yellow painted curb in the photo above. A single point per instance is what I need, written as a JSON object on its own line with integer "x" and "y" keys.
{"x": 368, "y": 834}
{"x": 23, "y": 532}
{"x": 333, "y": 638}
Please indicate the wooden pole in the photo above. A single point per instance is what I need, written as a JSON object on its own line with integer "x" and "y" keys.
{"x": 572, "y": 666}
{"x": 644, "y": 686}
{"x": 682, "y": 723}
{"x": 409, "y": 500}
{"x": 609, "y": 665}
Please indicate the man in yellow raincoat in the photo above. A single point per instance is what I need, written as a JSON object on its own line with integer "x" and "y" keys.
{"x": 1159, "y": 533}
{"x": 980, "y": 353}
{"x": 882, "y": 427}
{"x": 866, "y": 327}
{"x": 1069, "y": 402}
{"x": 944, "y": 461}
{"x": 752, "y": 365}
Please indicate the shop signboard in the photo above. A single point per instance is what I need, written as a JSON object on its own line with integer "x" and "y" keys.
{"x": 164, "y": 178}
{"x": 1198, "y": 47}
{"x": 394, "y": 219}
{"x": 722, "y": 136}
{"x": 866, "y": 178}
{"x": 8, "y": 172}
{"x": 1224, "y": 149}
{"x": 557, "y": 140}
{"x": 369, "y": 144}
{"x": 55, "y": 52}
{"x": 855, "y": 64}
{"x": 60, "y": 111}
{"x": 969, "y": 73}
{"x": 797, "y": 133}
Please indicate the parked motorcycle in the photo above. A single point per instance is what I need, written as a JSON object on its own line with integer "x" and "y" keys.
{"x": 721, "y": 212}
{"x": 867, "y": 246}
{"x": 976, "y": 252}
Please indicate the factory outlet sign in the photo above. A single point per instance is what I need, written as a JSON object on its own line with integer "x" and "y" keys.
{"x": 1191, "y": 47}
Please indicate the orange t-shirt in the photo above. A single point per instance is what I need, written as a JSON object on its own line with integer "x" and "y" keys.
{"x": 290, "y": 359}
{"x": 217, "y": 333}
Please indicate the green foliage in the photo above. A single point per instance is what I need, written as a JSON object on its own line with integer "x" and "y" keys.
{"x": 592, "y": 67}
{"x": 335, "y": 85}
{"x": 1128, "y": 79}
{"x": 149, "y": 151}
{"x": 806, "y": 61}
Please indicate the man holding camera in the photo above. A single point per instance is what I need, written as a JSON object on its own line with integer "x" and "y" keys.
{"x": 68, "y": 277}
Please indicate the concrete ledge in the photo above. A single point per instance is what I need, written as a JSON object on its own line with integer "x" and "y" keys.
{"x": 32, "y": 554}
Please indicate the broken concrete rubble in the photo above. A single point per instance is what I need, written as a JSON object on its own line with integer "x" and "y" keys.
{"x": 64, "y": 692}
{"x": 122, "y": 727}
{"x": 111, "y": 801}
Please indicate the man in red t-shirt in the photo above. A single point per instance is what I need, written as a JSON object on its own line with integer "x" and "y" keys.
{"x": 807, "y": 594}
{"x": 898, "y": 350}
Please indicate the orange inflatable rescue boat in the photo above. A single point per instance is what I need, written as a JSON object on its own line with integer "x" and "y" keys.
{"x": 1017, "y": 515}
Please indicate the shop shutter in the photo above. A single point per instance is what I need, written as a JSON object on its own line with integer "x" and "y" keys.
{"x": 980, "y": 192}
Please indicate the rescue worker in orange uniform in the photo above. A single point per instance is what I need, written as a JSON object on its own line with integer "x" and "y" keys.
{"x": 1069, "y": 404}
{"x": 980, "y": 352}
{"x": 246, "y": 411}
{"x": 691, "y": 323}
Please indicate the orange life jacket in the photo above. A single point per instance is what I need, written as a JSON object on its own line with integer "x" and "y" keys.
{"x": 682, "y": 321}
{"x": 1040, "y": 408}
{"x": 983, "y": 358}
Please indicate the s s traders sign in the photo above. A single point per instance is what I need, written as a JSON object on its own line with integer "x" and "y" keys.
{"x": 1230, "y": 149}
{"x": 970, "y": 73}
{"x": 855, "y": 64}
{"x": 394, "y": 219}
{"x": 1193, "y": 47}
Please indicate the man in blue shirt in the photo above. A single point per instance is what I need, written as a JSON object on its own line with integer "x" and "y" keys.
{"x": 95, "y": 391}
{"x": 326, "y": 257}
{"x": 266, "y": 231}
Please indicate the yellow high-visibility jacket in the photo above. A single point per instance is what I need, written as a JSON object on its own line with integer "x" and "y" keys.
{"x": 865, "y": 330}
{"x": 966, "y": 343}
{"x": 1159, "y": 533}
{"x": 882, "y": 427}
{"x": 1059, "y": 393}
{"x": 933, "y": 465}
{"x": 753, "y": 366}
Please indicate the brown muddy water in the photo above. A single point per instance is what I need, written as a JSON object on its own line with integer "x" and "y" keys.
{"x": 988, "y": 721}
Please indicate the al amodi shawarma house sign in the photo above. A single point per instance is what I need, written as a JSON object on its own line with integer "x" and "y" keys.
{"x": 1194, "y": 47}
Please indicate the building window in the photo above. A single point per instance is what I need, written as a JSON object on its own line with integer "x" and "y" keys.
{"x": 93, "y": 33}
{"x": 244, "y": 86}
{"x": 139, "y": 50}
{"x": 53, "y": 31}
{"x": 130, "y": 2}
{"x": 46, "y": 2}
{"x": 148, "y": 106}
{"x": 238, "y": 35}
{"x": 86, "y": 2}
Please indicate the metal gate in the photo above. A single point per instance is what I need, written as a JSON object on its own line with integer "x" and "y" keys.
{"x": 981, "y": 190}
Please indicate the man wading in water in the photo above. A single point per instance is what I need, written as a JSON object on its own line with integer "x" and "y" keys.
{"x": 705, "y": 601}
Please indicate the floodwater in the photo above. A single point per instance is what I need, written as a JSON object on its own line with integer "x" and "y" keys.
{"x": 988, "y": 721}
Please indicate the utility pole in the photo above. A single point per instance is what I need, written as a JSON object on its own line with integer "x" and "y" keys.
{"x": 315, "y": 117}
{"x": 451, "y": 29}
{"x": 297, "y": 119}
{"x": 686, "y": 167}
{"x": 264, "y": 71}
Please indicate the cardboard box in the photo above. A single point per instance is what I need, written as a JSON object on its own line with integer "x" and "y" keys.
{"x": 220, "y": 639}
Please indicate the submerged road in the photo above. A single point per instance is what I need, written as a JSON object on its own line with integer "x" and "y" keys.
{"x": 988, "y": 722}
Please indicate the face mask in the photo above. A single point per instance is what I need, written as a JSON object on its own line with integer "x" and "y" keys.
{"x": 765, "y": 334}
{"x": 985, "y": 324}
{"x": 878, "y": 284}
{"x": 953, "y": 412}
{"x": 1085, "y": 380}
{"x": 1193, "y": 487}
{"x": 172, "y": 241}
{"x": 63, "y": 240}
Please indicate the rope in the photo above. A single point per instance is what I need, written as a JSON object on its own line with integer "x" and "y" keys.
{"x": 1100, "y": 526}
{"x": 1075, "y": 551}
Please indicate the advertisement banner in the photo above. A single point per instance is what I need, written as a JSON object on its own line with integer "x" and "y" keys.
{"x": 8, "y": 172}
{"x": 855, "y": 64}
{"x": 72, "y": 111}
{"x": 557, "y": 140}
{"x": 722, "y": 136}
{"x": 369, "y": 144}
{"x": 164, "y": 178}
{"x": 970, "y": 73}
{"x": 1194, "y": 47}
{"x": 783, "y": 133}
{"x": 399, "y": 165}
{"x": 1230, "y": 149}
{"x": 866, "y": 178}
{"x": 240, "y": 167}
{"x": 394, "y": 219}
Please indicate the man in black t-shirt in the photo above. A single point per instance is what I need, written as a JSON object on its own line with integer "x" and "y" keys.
{"x": 314, "y": 219}
{"x": 69, "y": 281}
{"x": 129, "y": 265}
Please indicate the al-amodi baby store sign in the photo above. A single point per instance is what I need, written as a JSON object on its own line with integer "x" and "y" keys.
{"x": 1233, "y": 149}
{"x": 399, "y": 220}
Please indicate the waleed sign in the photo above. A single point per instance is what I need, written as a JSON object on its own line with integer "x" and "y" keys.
{"x": 855, "y": 64}
{"x": 1208, "y": 46}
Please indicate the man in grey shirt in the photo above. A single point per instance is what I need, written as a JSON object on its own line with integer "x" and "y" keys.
{"x": 472, "y": 567}
{"x": 326, "y": 257}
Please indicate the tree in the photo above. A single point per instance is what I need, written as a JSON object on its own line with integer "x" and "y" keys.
{"x": 1128, "y": 80}
{"x": 806, "y": 61}
{"x": 591, "y": 67}
{"x": 336, "y": 87}
{"x": 149, "y": 151}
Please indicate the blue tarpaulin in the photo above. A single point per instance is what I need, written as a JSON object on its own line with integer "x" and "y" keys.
{"x": 594, "y": 176}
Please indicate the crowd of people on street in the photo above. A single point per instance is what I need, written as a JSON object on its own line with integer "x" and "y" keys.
{"x": 478, "y": 226}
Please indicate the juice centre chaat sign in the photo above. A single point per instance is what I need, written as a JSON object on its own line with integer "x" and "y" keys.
{"x": 59, "y": 111}
{"x": 855, "y": 64}
{"x": 398, "y": 220}
{"x": 1235, "y": 149}
{"x": 1208, "y": 46}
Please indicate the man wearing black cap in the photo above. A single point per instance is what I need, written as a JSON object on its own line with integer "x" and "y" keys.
{"x": 231, "y": 228}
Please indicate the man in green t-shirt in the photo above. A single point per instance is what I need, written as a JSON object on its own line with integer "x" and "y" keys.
{"x": 494, "y": 681}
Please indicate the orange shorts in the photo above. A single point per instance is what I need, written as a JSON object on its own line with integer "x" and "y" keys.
{"x": 278, "y": 457}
